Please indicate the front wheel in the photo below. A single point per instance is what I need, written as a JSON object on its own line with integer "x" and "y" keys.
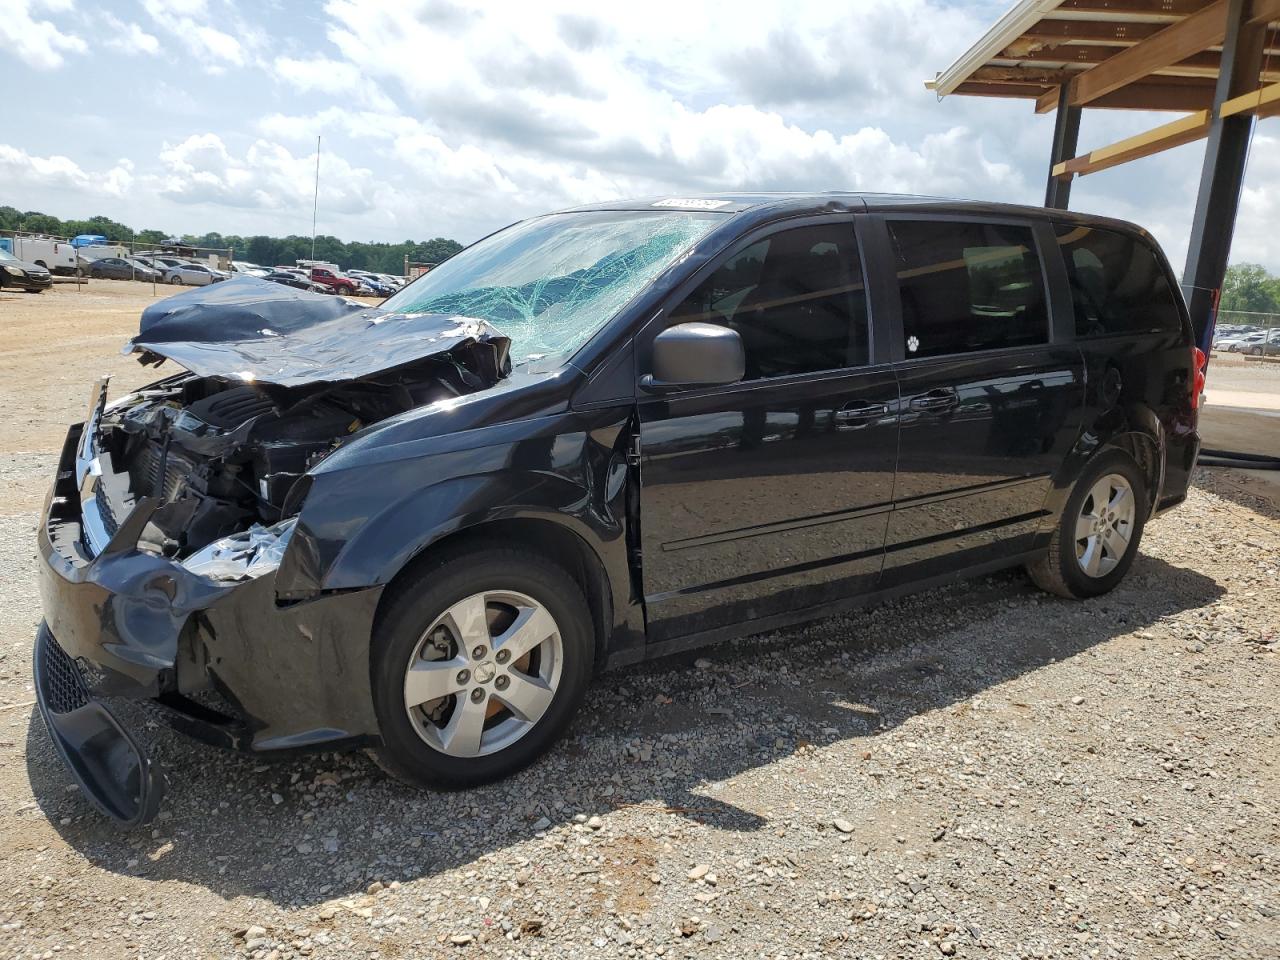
{"x": 1255, "y": 352}
{"x": 1099, "y": 530}
{"x": 480, "y": 660}
{"x": 176, "y": 280}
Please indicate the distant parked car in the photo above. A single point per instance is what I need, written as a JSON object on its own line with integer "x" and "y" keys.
{"x": 1240, "y": 343}
{"x": 122, "y": 268}
{"x": 334, "y": 282}
{"x": 246, "y": 269}
{"x": 296, "y": 280}
{"x": 19, "y": 273}
{"x": 1269, "y": 345}
{"x": 373, "y": 283}
{"x": 193, "y": 274}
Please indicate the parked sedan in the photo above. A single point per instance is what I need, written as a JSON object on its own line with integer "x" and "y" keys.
{"x": 122, "y": 268}
{"x": 296, "y": 280}
{"x": 1268, "y": 344}
{"x": 193, "y": 274}
{"x": 30, "y": 277}
{"x": 1240, "y": 343}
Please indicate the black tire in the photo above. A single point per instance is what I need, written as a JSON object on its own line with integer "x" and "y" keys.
{"x": 1058, "y": 570}
{"x": 422, "y": 595}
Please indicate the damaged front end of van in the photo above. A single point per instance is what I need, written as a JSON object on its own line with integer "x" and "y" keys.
{"x": 181, "y": 566}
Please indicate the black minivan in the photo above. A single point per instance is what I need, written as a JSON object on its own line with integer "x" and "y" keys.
{"x": 594, "y": 437}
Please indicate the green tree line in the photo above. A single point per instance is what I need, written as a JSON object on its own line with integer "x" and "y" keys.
{"x": 1250, "y": 287}
{"x": 268, "y": 251}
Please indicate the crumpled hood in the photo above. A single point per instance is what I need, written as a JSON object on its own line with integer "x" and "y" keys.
{"x": 263, "y": 332}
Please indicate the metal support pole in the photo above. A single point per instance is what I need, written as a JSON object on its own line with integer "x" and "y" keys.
{"x": 1066, "y": 136}
{"x": 1222, "y": 177}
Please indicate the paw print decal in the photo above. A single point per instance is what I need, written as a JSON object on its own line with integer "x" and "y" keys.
{"x": 913, "y": 344}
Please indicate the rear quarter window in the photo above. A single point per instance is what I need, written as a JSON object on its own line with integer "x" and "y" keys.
{"x": 968, "y": 287}
{"x": 1118, "y": 285}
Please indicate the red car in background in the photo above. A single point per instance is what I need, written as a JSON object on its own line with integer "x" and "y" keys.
{"x": 335, "y": 282}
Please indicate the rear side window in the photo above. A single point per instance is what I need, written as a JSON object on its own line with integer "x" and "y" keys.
{"x": 1117, "y": 284}
{"x": 967, "y": 287}
{"x": 795, "y": 297}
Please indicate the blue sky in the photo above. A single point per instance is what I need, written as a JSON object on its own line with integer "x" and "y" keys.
{"x": 440, "y": 118}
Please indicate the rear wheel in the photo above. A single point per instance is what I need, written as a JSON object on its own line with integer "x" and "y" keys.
{"x": 1099, "y": 531}
{"x": 479, "y": 663}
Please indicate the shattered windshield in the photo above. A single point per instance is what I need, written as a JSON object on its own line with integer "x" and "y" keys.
{"x": 552, "y": 282}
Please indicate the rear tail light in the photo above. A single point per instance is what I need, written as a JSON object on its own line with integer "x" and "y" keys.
{"x": 1197, "y": 376}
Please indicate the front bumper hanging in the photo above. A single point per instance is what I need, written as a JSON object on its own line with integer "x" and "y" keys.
{"x": 111, "y": 769}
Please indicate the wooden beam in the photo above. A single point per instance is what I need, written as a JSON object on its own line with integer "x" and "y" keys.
{"x": 1047, "y": 102}
{"x": 1008, "y": 91}
{"x": 1090, "y": 30}
{"x": 1264, "y": 102}
{"x": 1176, "y": 8}
{"x": 1166, "y": 94}
{"x": 1172, "y": 94}
{"x": 1264, "y": 11}
{"x": 1037, "y": 75}
{"x": 1184, "y": 130}
{"x": 1178, "y": 41}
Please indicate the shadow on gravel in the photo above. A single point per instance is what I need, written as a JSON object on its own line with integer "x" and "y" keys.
{"x": 658, "y": 737}
{"x": 1245, "y": 488}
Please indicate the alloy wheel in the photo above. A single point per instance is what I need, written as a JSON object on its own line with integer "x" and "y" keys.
{"x": 484, "y": 673}
{"x": 1105, "y": 525}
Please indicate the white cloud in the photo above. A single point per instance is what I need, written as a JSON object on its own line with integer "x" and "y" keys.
{"x": 202, "y": 170}
{"x": 215, "y": 39}
{"x": 20, "y": 171}
{"x": 1255, "y": 237}
{"x": 334, "y": 77}
{"x": 37, "y": 42}
{"x": 454, "y": 117}
{"x": 129, "y": 37}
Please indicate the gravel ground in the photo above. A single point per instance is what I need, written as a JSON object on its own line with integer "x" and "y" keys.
{"x": 980, "y": 771}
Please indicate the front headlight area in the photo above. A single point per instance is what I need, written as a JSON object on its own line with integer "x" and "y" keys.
{"x": 243, "y": 556}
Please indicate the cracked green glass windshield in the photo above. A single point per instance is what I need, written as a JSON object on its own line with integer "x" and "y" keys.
{"x": 552, "y": 282}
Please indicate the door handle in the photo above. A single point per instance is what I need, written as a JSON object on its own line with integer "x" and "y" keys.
{"x": 936, "y": 401}
{"x": 860, "y": 411}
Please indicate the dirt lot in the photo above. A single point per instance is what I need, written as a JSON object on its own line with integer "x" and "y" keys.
{"x": 981, "y": 771}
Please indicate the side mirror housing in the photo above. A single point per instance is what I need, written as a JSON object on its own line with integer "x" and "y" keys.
{"x": 691, "y": 355}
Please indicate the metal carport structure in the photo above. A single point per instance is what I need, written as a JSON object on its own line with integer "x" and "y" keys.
{"x": 1215, "y": 61}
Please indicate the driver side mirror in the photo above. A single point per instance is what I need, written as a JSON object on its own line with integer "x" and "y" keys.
{"x": 691, "y": 355}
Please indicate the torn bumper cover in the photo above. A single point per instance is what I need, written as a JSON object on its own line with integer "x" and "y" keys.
{"x": 219, "y": 660}
{"x": 194, "y": 627}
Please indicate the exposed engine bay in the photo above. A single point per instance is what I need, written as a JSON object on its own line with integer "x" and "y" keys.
{"x": 225, "y": 454}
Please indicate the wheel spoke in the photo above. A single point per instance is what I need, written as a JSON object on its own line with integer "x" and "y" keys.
{"x": 1084, "y": 526}
{"x": 470, "y": 622}
{"x": 1092, "y": 557}
{"x": 1101, "y": 495}
{"x": 532, "y": 627}
{"x": 462, "y": 734}
{"x": 1114, "y": 544}
{"x": 528, "y": 697}
{"x": 1120, "y": 502}
{"x": 432, "y": 679}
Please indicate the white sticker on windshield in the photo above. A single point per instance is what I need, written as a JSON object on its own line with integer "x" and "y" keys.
{"x": 693, "y": 204}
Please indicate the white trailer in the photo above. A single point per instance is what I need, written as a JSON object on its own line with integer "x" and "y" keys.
{"x": 56, "y": 256}
{"x": 100, "y": 250}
